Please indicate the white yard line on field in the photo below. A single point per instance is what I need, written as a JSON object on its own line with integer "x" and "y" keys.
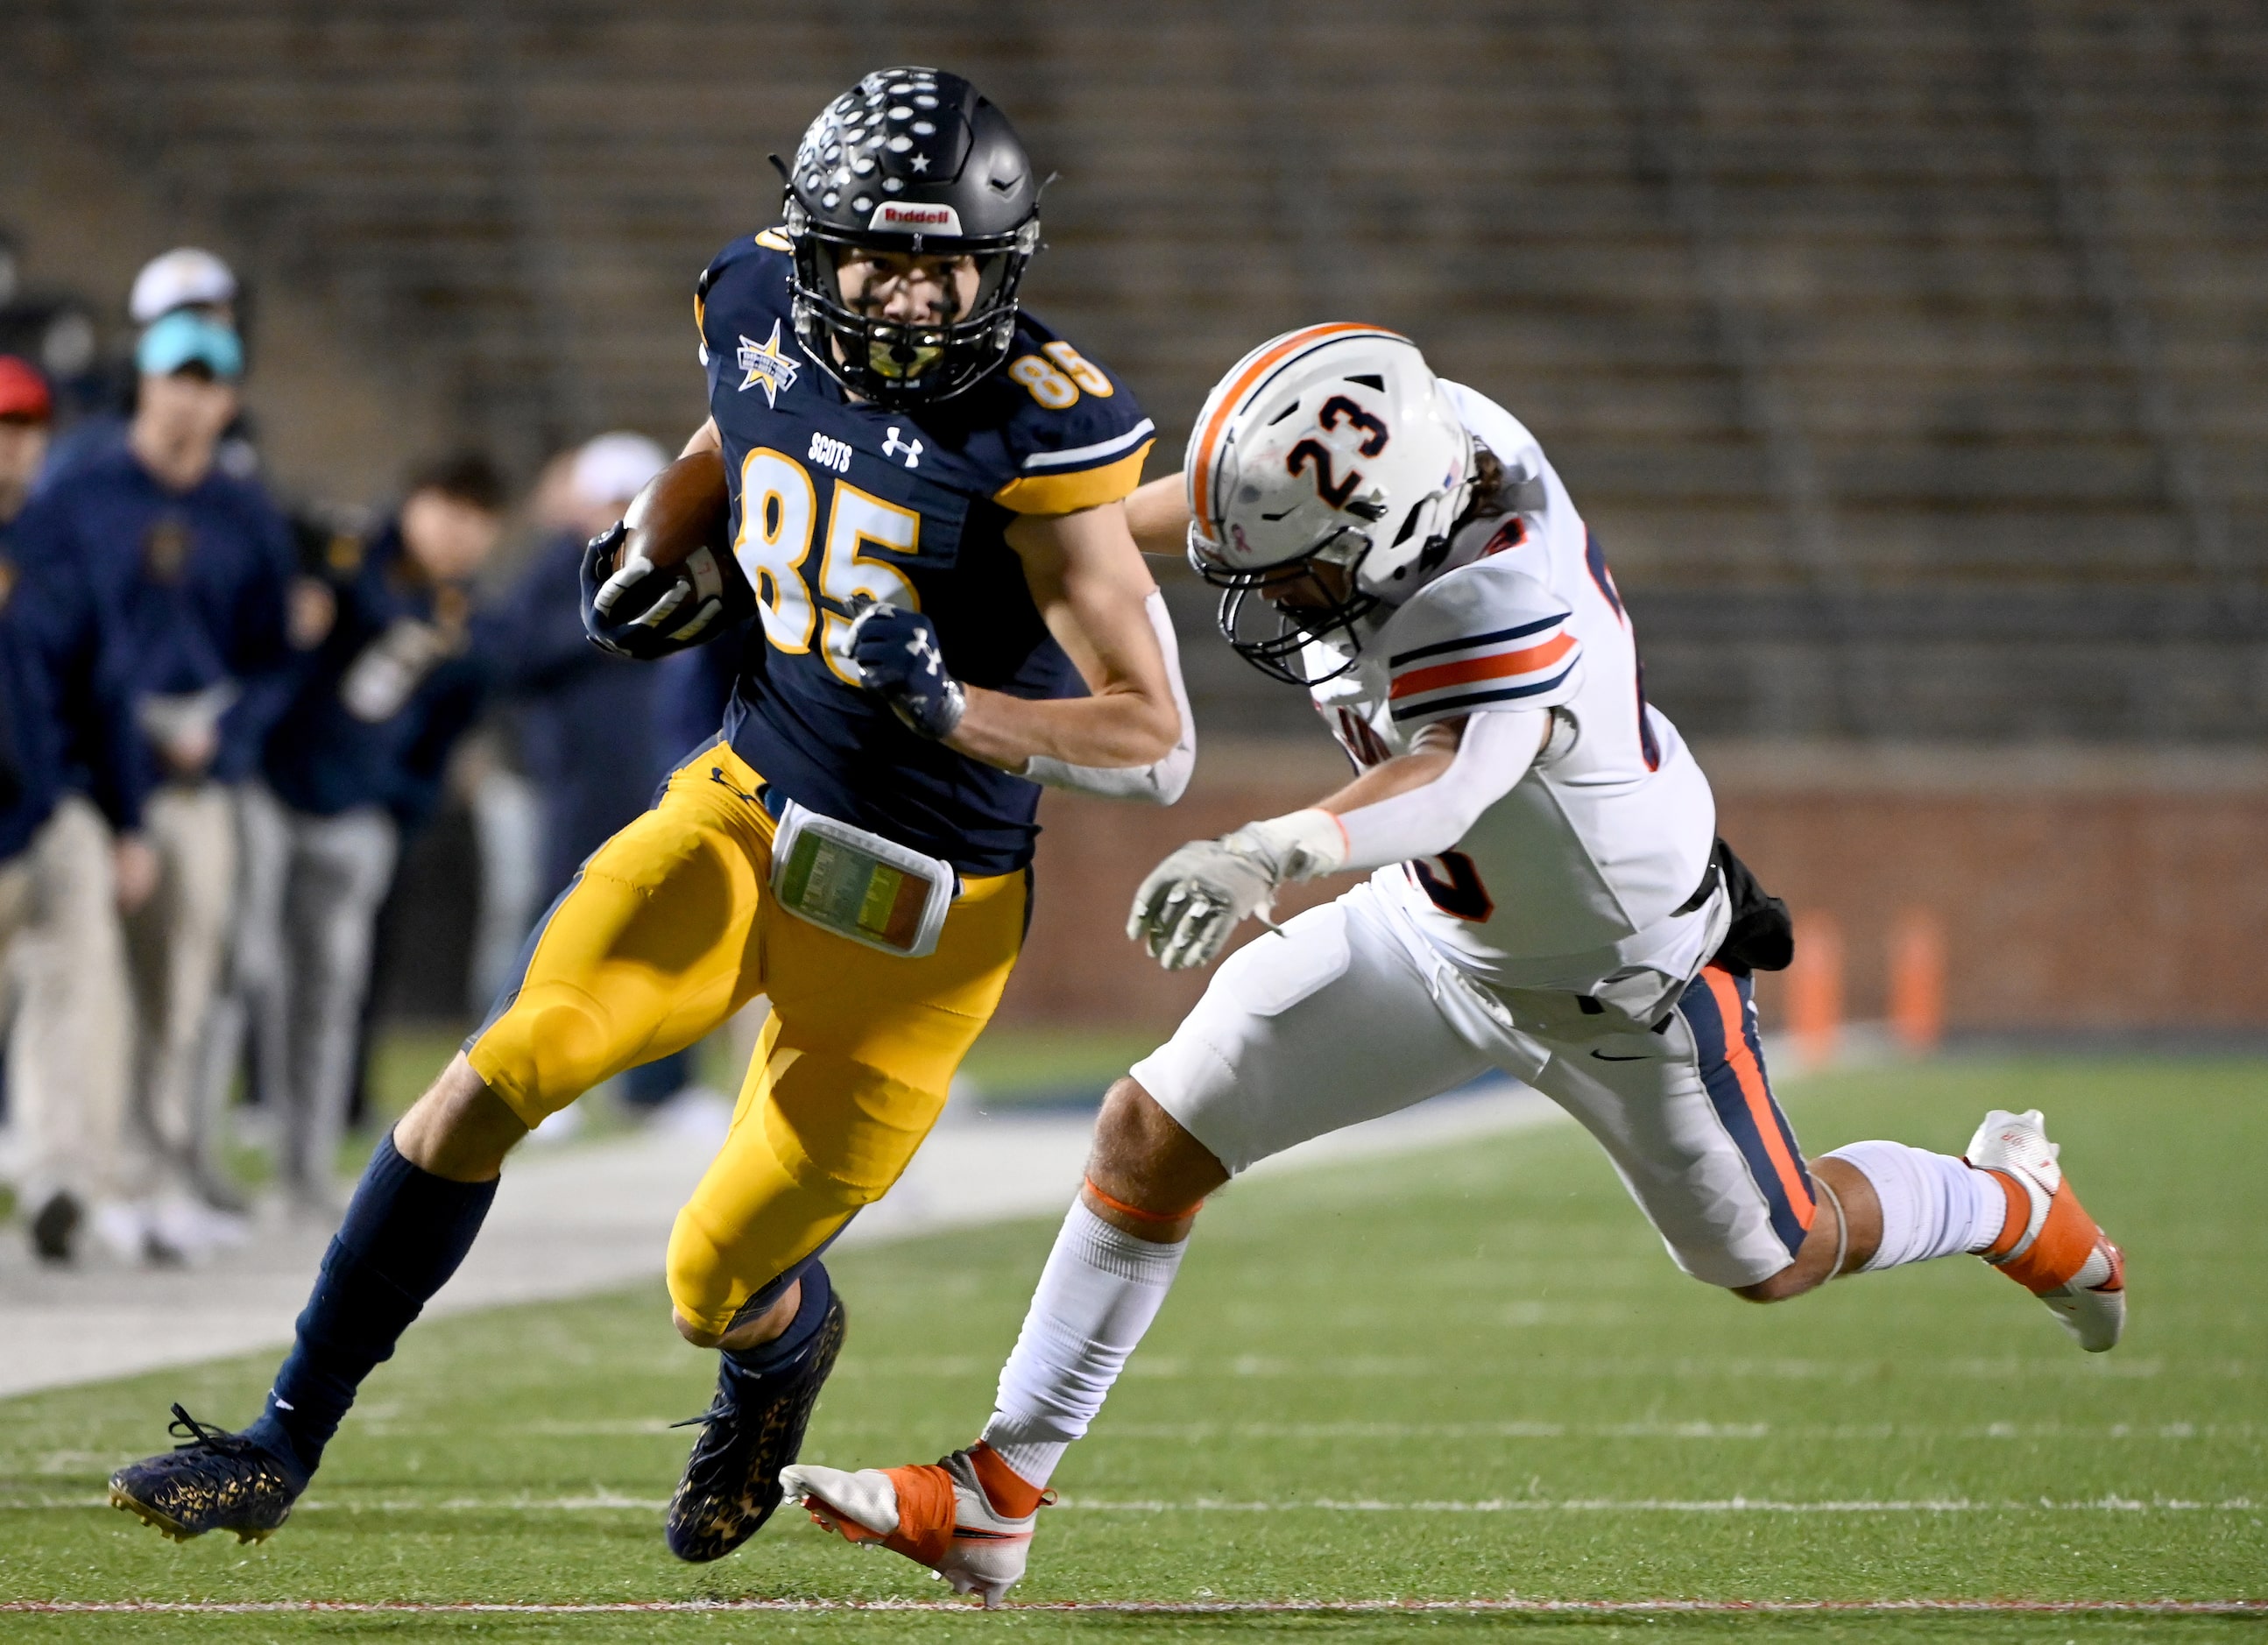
{"x": 578, "y": 1220}
{"x": 1206, "y": 1433}
{"x": 1145, "y": 1607}
{"x": 608, "y": 1502}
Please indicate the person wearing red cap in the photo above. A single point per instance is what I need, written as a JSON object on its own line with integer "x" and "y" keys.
{"x": 65, "y": 693}
{"x": 26, "y": 408}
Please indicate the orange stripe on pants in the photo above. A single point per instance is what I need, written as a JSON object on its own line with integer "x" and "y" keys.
{"x": 1743, "y": 1062}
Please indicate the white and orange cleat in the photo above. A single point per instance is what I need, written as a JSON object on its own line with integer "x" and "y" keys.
{"x": 936, "y": 1514}
{"x": 2050, "y": 1246}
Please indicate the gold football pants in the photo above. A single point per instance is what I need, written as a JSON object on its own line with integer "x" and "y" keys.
{"x": 670, "y": 929}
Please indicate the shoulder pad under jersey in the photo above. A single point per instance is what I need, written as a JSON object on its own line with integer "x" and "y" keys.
{"x": 1070, "y": 435}
{"x": 1485, "y": 635}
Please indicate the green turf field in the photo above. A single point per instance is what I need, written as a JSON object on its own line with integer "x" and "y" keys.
{"x": 1469, "y": 1373}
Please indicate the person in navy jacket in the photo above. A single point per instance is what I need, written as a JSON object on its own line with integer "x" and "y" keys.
{"x": 197, "y": 565}
{"x": 64, "y": 683}
{"x": 585, "y": 718}
{"x": 356, "y": 762}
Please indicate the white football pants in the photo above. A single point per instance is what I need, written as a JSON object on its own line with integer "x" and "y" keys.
{"x": 1351, "y": 1014}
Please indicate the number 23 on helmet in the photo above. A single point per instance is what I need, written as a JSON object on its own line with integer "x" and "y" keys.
{"x": 1332, "y": 445}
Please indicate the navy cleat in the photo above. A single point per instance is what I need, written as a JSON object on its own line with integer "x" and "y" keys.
{"x": 752, "y": 1430}
{"x": 213, "y": 1480}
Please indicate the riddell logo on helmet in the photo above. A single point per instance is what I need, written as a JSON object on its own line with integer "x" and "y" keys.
{"x": 912, "y": 219}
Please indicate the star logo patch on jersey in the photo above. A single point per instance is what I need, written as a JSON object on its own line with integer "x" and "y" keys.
{"x": 765, "y": 363}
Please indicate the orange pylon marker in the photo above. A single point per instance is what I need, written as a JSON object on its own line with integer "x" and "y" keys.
{"x": 1814, "y": 988}
{"x": 1917, "y": 979}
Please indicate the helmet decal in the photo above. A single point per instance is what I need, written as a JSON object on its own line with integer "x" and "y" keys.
{"x": 1339, "y": 407}
{"x": 1312, "y": 454}
{"x": 915, "y": 219}
{"x": 1230, "y": 397}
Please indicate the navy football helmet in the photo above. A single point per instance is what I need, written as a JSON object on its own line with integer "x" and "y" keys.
{"x": 913, "y": 161}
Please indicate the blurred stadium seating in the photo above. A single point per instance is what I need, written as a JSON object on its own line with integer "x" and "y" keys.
{"x": 1910, "y": 356}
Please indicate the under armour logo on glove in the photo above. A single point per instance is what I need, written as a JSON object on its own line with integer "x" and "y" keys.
{"x": 895, "y": 653}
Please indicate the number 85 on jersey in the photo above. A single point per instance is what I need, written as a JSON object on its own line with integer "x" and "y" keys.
{"x": 779, "y": 524}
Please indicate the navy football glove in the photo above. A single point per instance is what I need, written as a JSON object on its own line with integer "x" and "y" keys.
{"x": 645, "y": 611}
{"x": 896, "y": 655}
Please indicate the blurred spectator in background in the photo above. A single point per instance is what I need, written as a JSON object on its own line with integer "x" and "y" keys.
{"x": 53, "y": 330}
{"x": 185, "y": 280}
{"x": 356, "y": 761}
{"x": 507, "y": 812}
{"x": 65, "y": 685}
{"x": 197, "y": 564}
{"x": 586, "y": 738}
{"x": 691, "y": 690}
{"x": 26, "y": 412}
{"x": 582, "y": 714}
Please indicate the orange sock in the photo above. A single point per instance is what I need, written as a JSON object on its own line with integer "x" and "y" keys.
{"x": 2018, "y": 1218}
{"x": 2061, "y": 1248}
{"x": 1009, "y": 1492}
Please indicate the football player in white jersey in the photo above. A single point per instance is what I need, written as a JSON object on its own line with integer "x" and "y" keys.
{"x": 1546, "y": 896}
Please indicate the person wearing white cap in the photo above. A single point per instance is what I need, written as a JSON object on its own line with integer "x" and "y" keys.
{"x": 188, "y": 277}
{"x": 185, "y": 280}
{"x": 196, "y": 563}
{"x": 583, "y": 717}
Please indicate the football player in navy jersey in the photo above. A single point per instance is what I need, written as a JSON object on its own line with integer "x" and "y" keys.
{"x": 926, "y": 493}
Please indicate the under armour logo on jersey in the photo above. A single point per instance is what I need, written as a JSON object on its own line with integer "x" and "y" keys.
{"x": 892, "y": 445}
{"x": 765, "y": 363}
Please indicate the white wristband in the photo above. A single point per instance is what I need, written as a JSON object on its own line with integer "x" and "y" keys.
{"x": 1300, "y": 845}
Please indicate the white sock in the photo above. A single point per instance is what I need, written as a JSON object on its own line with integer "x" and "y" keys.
{"x": 1934, "y": 1205}
{"x": 1097, "y": 1296}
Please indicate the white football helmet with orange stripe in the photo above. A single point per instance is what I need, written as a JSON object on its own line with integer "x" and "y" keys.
{"x": 1332, "y": 445}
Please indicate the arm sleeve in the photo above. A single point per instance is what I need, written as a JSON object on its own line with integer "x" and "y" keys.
{"x": 1481, "y": 637}
{"x": 1497, "y": 751}
{"x": 1159, "y": 783}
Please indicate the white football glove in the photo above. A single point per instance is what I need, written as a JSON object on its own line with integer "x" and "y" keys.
{"x": 1191, "y": 901}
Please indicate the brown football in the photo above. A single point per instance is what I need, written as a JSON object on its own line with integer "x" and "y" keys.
{"x": 682, "y": 508}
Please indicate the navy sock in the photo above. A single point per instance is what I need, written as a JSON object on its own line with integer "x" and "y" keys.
{"x": 810, "y": 1313}
{"x": 405, "y": 1232}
